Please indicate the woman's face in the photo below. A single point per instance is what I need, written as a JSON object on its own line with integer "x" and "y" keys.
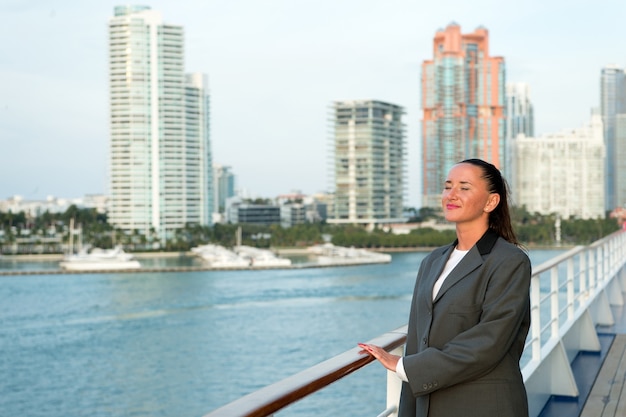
{"x": 465, "y": 197}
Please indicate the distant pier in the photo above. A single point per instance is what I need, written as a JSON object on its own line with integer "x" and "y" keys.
{"x": 182, "y": 269}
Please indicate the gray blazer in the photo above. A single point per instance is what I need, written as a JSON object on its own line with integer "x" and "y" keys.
{"x": 463, "y": 349}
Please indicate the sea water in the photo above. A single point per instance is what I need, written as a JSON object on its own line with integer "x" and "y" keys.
{"x": 184, "y": 344}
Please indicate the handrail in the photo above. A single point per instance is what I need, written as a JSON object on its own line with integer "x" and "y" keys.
{"x": 552, "y": 262}
{"x": 276, "y": 396}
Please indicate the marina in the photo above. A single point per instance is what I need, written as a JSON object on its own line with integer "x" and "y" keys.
{"x": 214, "y": 258}
{"x": 177, "y": 269}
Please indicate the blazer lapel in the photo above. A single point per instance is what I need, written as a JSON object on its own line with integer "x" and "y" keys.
{"x": 436, "y": 269}
{"x": 472, "y": 260}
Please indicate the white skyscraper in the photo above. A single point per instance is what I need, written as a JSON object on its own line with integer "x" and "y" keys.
{"x": 160, "y": 154}
{"x": 562, "y": 173}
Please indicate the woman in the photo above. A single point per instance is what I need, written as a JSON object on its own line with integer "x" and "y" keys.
{"x": 470, "y": 311}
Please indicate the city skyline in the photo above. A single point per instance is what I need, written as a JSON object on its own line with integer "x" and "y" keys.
{"x": 274, "y": 70}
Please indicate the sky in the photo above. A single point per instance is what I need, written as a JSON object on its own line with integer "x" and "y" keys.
{"x": 274, "y": 68}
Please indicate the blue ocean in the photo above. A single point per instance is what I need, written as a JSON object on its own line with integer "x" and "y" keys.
{"x": 184, "y": 344}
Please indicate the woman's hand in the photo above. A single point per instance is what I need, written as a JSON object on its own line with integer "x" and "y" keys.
{"x": 388, "y": 360}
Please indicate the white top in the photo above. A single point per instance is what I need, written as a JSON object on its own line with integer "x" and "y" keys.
{"x": 453, "y": 261}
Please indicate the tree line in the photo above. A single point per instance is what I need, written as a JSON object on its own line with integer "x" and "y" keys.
{"x": 532, "y": 229}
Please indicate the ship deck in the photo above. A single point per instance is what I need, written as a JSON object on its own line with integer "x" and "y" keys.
{"x": 600, "y": 376}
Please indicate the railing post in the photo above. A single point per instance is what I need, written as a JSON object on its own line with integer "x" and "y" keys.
{"x": 592, "y": 268}
{"x": 610, "y": 246}
{"x": 603, "y": 262}
{"x": 535, "y": 318}
{"x": 554, "y": 302}
{"x": 582, "y": 278}
{"x": 394, "y": 386}
{"x": 570, "y": 288}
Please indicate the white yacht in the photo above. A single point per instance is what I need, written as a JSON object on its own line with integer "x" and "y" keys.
{"x": 219, "y": 257}
{"x": 329, "y": 254}
{"x": 98, "y": 259}
{"x": 261, "y": 257}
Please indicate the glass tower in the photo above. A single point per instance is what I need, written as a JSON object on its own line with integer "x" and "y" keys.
{"x": 619, "y": 160}
{"x": 224, "y": 179}
{"x": 368, "y": 162}
{"x": 612, "y": 104}
{"x": 160, "y": 155}
{"x": 519, "y": 120}
{"x": 463, "y": 106}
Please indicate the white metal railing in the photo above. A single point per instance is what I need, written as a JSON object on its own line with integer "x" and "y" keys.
{"x": 570, "y": 295}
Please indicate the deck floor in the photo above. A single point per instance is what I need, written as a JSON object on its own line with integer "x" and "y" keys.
{"x": 601, "y": 377}
{"x": 608, "y": 395}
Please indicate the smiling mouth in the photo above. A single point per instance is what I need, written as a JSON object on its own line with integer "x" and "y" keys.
{"x": 451, "y": 207}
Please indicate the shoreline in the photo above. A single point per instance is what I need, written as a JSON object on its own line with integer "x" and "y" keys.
{"x": 278, "y": 251}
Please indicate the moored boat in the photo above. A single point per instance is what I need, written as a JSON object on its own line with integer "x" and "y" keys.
{"x": 98, "y": 259}
{"x": 261, "y": 257}
{"x": 328, "y": 254}
{"x": 219, "y": 257}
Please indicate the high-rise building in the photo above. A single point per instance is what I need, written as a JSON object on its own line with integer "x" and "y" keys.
{"x": 519, "y": 110}
{"x": 224, "y": 186}
{"x": 612, "y": 104}
{"x": 562, "y": 173}
{"x": 519, "y": 119}
{"x": 368, "y": 162}
{"x": 160, "y": 154}
{"x": 463, "y": 104}
{"x": 619, "y": 190}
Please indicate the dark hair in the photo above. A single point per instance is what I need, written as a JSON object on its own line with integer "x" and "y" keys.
{"x": 499, "y": 218}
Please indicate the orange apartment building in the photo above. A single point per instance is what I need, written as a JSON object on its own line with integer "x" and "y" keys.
{"x": 463, "y": 103}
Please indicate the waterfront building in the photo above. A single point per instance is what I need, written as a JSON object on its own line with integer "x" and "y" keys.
{"x": 292, "y": 214}
{"x": 613, "y": 104}
{"x": 297, "y": 208}
{"x": 224, "y": 186}
{"x": 463, "y": 102}
{"x": 99, "y": 202}
{"x": 368, "y": 162}
{"x": 322, "y": 202}
{"x": 240, "y": 212}
{"x": 562, "y": 173}
{"x": 55, "y": 205}
{"x": 519, "y": 119}
{"x": 160, "y": 154}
